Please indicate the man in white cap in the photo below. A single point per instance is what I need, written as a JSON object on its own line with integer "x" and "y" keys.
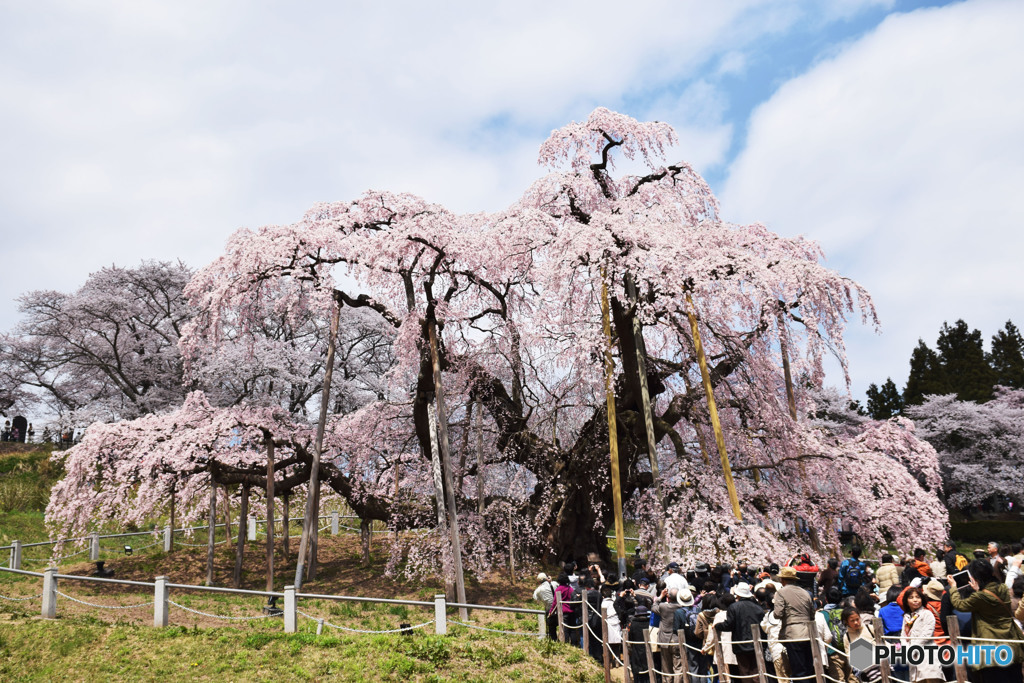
{"x": 740, "y": 616}
{"x": 545, "y": 592}
{"x": 675, "y": 578}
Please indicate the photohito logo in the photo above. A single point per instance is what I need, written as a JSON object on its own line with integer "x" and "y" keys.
{"x": 864, "y": 654}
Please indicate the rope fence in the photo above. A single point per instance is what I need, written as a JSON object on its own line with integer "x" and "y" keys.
{"x": 31, "y": 597}
{"x": 92, "y": 604}
{"x": 220, "y": 616}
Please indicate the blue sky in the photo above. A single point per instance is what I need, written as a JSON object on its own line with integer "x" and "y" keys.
{"x": 889, "y": 131}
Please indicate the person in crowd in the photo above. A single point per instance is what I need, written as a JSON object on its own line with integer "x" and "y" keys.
{"x": 1016, "y": 594}
{"x": 891, "y": 613}
{"x": 1013, "y": 564}
{"x": 857, "y": 629}
{"x": 917, "y": 568}
{"x": 643, "y": 590}
{"x": 772, "y": 627}
{"x": 918, "y": 629}
{"x": 686, "y": 630}
{"x": 639, "y": 570}
{"x": 992, "y": 619}
{"x": 637, "y": 635}
{"x": 938, "y": 567}
{"x": 668, "y": 641}
{"x": 545, "y": 592}
{"x": 593, "y": 623}
{"x": 887, "y": 574}
{"x": 852, "y": 573}
{"x": 802, "y": 563}
{"x": 933, "y": 591}
{"x": 674, "y": 578}
{"x": 832, "y": 614}
{"x": 865, "y": 602}
{"x": 563, "y": 591}
{"x": 612, "y": 617}
{"x": 739, "y": 618}
{"x": 997, "y": 561}
{"x": 828, "y": 577}
{"x": 793, "y": 607}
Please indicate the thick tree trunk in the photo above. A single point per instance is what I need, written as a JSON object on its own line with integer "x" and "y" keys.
{"x": 243, "y": 522}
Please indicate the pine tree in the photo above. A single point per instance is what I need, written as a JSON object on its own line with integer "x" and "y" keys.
{"x": 885, "y": 402}
{"x": 962, "y": 353}
{"x": 1007, "y": 357}
{"x": 927, "y": 376}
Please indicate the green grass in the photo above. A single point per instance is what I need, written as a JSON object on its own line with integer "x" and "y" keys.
{"x": 83, "y": 649}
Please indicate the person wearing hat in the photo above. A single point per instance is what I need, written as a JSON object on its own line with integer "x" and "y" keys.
{"x": 793, "y": 607}
{"x": 545, "y": 592}
{"x": 668, "y": 640}
{"x": 675, "y": 578}
{"x": 933, "y": 591}
{"x": 637, "y": 646}
{"x": 739, "y": 618}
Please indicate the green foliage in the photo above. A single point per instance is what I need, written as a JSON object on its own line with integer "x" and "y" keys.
{"x": 927, "y": 376}
{"x": 885, "y": 402}
{"x": 981, "y": 532}
{"x": 963, "y": 359}
{"x": 26, "y": 478}
{"x": 1007, "y": 357}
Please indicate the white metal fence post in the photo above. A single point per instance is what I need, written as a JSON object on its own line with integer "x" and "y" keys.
{"x": 15, "y": 555}
{"x": 334, "y": 524}
{"x": 160, "y": 602}
{"x": 49, "y": 593}
{"x": 250, "y": 524}
{"x": 168, "y": 538}
{"x": 440, "y": 615}
{"x": 94, "y": 546}
{"x": 290, "y": 616}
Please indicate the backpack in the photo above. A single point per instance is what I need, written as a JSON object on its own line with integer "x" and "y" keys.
{"x": 960, "y": 562}
{"x": 834, "y": 621}
{"x": 854, "y": 578}
{"x": 690, "y": 621}
{"x": 577, "y": 598}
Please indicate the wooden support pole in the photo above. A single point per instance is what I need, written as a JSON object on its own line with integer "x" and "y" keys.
{"x": 243, "y": 522}
{"x": 169, "y": 546}
{"x": 286, "y": 523}
{"x": 586, "y": 631}
{"x": 211, "y": 530}
{"x": 561, "y": 623}
{"x": 716, "y": 425}
{"x": 438, "y": 478}
{"x": 606, "y": 654}
{"x": 613, "y": 437}
{"x": 446, "y": 468}
{"x": 227, "y": 515}
{"x": 650, "y": 656}
{"x": 953, "y": 629}
{"x": 819, "y": 666}
{"x": 481, "y": 490}
{"x": 723, "y": 670}
{"x": 270, "y": 515}
{"x": 311, "y": 517}
{"x": 762, "y": 671}
{"x": 879, "y": 630}
{"x": 626, "y": 676}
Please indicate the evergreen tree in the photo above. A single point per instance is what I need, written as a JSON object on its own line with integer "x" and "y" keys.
{"x": 1007, "y": 357}
{"x": 962, "y": 354}
{"x": 927, "y": 376}
{"x": 885, "y": 402}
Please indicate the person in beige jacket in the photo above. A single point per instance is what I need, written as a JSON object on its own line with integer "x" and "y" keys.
{"x": 793, "y": 606}
{"x": 887, "y": 574}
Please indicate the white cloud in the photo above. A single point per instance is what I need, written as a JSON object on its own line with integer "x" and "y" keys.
{"x": 903, "y": 156}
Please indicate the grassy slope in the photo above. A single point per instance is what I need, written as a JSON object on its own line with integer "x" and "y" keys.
{"x": 89, "y": 644}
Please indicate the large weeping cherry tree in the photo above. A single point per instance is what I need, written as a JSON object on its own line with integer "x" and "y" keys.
{"x": 515, "y": 298}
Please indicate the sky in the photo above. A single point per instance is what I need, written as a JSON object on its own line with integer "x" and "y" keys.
{"x": 889, "y": 131}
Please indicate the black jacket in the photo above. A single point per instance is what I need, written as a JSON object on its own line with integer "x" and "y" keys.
{"x": 740, "y": 616}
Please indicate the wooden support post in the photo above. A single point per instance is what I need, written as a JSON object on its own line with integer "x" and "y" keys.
{"x": 446, "y": 467}
{"x": 626, "y": 675}
{"x": 211, "y": 531}
{"x": 558, "y": 614}
{"x": 227, "y": 515}
{"x": 819, "y": 667}
{"x": 270, "y": 514}
{"x": 723, "y": 670}
{"x": 169, "y": 541}
{"x": 613, "y": 437}
{"x": 511, "y": 550}
{"x": 606, "y": 654}
{"x": 365, "y": 532}
{"x": 716, "y": 425}
{"x": 953, "y": 629}
{"x": 481, "y": 491}
{"x": 586, "y": 631}
{"x": 286, "y": 523}
{"x": 312, "y": 515}
{"x": 243, "y": 522}
{"x": 684, "y": 659}
{"x": 438, "y": 478}
{"x": 755, "y": 634}
{"x": 879, "y": 630}
{"x": 650, "y": 655}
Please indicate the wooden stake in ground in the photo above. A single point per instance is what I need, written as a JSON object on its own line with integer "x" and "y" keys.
{"x": 211, "y": 531}
{"x": 243, "y": 533}
{"x": 286, "y": 523}
{"x": 270, "y": 515}
{"x": 480, "y": 490}
{"x": 613, "y": 437}
{"x": 173, "y": 520}
{"x": 227, "y": 515}
{"x": 365, "y": 534}
{"x": 312, "y": 516}
{"x": 713, "y": 409}
{"x": 446, "y": 468}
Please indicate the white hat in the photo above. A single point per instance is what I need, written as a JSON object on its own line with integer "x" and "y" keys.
{"x": 542, "y": 577}
{"x": 685, "y": 598}
{"x": 742, "y": 590}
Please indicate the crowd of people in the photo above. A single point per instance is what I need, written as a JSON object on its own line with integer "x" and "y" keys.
{"x": 716, "y": 610}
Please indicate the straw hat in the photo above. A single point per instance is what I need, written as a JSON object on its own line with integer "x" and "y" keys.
{"x": 787, "y": 573}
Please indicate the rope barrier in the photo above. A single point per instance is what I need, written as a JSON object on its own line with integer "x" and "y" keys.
{"x": 749, "y": 676}
{"x": 91, "y": 604}
{"x": 356, "y": 630}
{"x": 218, "y": 616}
{"x": 573, "y": 627}
{"x": 493, "y": 630}
{"x": 990, "y": 640}
{"x": 201, "y": 545}
{"x": 53, "y": 559}
{"x": 32, "y": 597}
